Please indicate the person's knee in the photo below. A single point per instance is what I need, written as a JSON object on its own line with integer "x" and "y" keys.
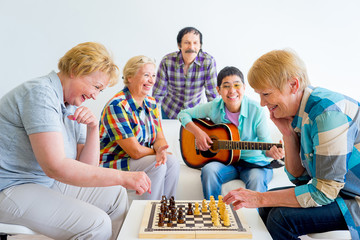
{"x": 277, "y": 218}
{"x": 207, "y": 173}
{"x": 105, "y": 227}
{"x": 99, "y": 227}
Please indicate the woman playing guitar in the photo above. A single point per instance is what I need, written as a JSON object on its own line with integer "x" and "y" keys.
{"x": 250, "y": 119}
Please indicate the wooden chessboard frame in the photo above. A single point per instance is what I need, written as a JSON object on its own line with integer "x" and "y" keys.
{"x": 149, "y": 228}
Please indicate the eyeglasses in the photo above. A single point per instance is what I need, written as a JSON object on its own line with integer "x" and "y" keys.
{"x": 236, "y": 86}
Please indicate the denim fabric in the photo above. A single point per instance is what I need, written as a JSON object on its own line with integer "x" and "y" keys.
{"x": 290, "y": 223}
{"x": 214, "y": 174}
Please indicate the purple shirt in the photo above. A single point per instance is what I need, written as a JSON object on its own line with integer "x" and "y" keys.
{"x": 176, "y": 91}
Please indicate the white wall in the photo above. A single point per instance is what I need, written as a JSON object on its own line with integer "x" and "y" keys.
{"x": 34, "y": 34}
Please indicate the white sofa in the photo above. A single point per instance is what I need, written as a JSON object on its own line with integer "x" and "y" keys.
{"x": 189, "y": 187}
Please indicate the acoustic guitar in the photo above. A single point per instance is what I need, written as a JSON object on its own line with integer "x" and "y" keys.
{"x": 226, "y": 147}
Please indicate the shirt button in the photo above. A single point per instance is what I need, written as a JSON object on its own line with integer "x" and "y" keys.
{"x": 311, "y": 154}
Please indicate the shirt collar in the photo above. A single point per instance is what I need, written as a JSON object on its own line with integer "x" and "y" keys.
{"x": 180, "y": 60}
{"x": 55, "y": 80}
{"x": 301, "y": 113}
{"x": 244, "y": 110}
{"x": 131, "y": 105}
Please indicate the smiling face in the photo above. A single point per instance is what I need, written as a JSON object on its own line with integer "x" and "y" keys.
{"x": 232, "y": 91}
{"x": 281, "y": 104}
{"x": 85, "y": 87}
{"x": 141, "y": 83}
{"x": 190, "y": 46}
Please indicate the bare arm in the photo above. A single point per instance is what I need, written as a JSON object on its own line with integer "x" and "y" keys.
{"x": 49, "y": 151}
{"x": 135, "y": 150}
{"x": 250, "y": 199}
{"x": 160, "y": 147}
{"x": 90, "y": 151}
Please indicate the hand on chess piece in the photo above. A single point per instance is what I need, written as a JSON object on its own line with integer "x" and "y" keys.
{"x": 242, "y": 197}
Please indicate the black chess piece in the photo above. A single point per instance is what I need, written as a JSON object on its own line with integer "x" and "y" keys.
{"x": 181, "y": 217}
{"x": 190, "y": 209}
{"x": 163, "y": 199}
{"x": 162, "y": 208}
{"x": 161, "y": 220}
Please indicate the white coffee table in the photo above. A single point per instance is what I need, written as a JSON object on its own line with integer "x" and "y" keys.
{"x": 130, "y": 228}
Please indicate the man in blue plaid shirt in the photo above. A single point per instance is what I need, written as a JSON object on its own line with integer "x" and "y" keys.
{"x": 183, "y": 75}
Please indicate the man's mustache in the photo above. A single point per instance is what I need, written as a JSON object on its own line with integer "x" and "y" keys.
{"x": 190, "y": 51}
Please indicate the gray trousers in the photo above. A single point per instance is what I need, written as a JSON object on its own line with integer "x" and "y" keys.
{"x": 64, "y": 211}
{"x": 164, "y": 178}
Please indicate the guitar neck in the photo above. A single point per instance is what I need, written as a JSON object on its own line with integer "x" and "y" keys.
{"x": 243, "y": 145}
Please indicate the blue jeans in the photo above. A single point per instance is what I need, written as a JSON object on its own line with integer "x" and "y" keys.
{"x": 214, "y": 174}
{"x": 290, "y": 223}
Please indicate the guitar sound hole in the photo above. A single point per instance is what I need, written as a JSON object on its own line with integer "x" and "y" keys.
{"x": 208, "y": 154}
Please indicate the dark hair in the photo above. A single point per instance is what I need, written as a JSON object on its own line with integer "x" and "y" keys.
{"x": 229, "y": 71}
{"x": 187, "y": 30}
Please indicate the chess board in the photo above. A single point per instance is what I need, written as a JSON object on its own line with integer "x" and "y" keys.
{"x": 195, "y": 226}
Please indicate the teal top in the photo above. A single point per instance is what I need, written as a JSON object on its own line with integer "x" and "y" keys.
{"x": 252, "y": 124}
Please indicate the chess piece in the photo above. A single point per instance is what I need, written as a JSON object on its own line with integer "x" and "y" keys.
{"x": 169, "y": 223}
{"x": 226, "y": 220}
{"x": 181, "y": 218}
{"x": 162, "y": 208}
{"x": 190, "y": 209}
{"x": 173, "y": 215}
{"x": 161, "y": 220}
{"x": 204, "y": 206}
{"x": 213, "y": 213}
{"x": 220, "y": 201}
{"x": 196, "y": 211}
{"x": 216, "y": 221}
{"x": 212, "y": 204}
{"x": 163, "y": 199}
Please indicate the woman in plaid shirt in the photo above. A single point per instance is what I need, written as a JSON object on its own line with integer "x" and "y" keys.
{"x": 320, "y": 130}
{"x": 131, "y": 133}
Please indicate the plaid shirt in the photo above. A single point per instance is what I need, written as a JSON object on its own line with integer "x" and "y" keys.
{"x": 175, "y": 91}
{"x": 120, "y": 119}
{"x": 328, "y": 125}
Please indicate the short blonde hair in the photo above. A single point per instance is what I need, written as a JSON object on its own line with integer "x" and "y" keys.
{"x": 89, "y": 57}
{"x": 275, "y": 68}
{"x": 133, "y": 65}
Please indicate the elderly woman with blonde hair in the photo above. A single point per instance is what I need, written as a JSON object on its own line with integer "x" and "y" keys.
{"x": 321, "y": 136}
{"x": 131, "y": 134}
{"x": 50, "y": 179}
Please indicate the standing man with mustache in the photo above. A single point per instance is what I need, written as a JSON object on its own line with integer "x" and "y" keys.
{"x": 183, "y": 75}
